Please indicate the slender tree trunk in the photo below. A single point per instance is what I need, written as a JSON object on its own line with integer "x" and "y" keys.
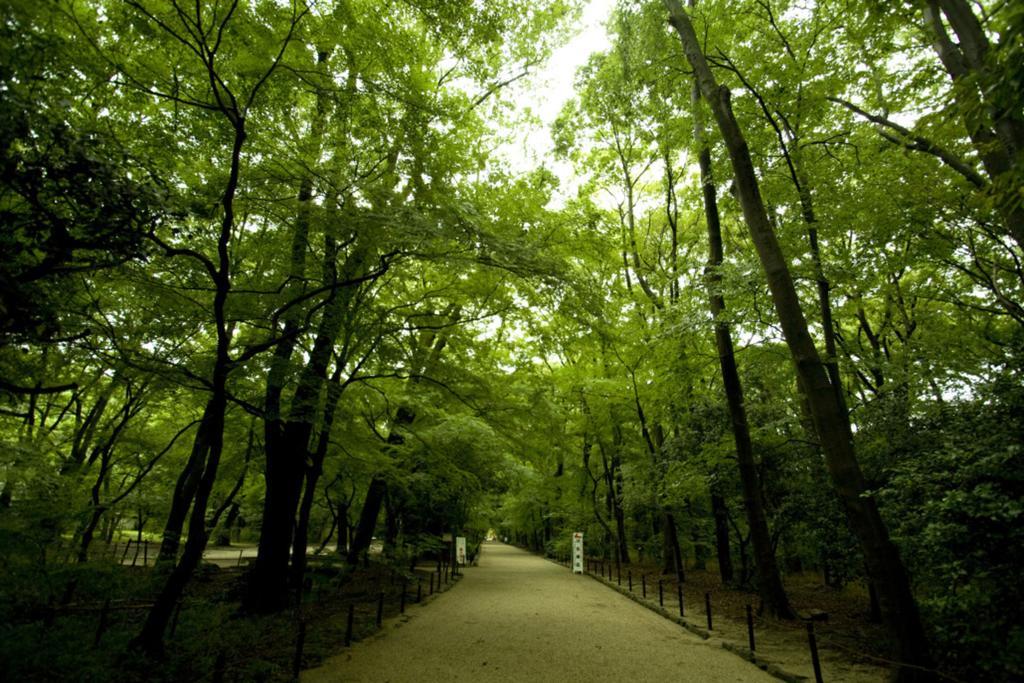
{"x": 392, "y": 524}
{"x": 344, "y": 529}
{"x": 377, "y": 492}
{"x": 367, "y": 519}
{"x": 673, "y": 555}
{"x": 89, "y": 530}
{"x": 614, "y": 482}
{"x": 184, "y": 492}
{"x": 430, "y": 346}
{"x": 223, "y": 538}
{"x": 209, "y": 441}
{"x": 885, "y": 567}
{"x": 997, "y": 147}
{"x": 150, "y": 640}
{"x": 769, "y": 582}
{"x": 287, "y": 442}
{"x": 313, "y": 474}
{"x": 287, "y": 461}
{"x": 97, "y": 508}
{"x": 595, "y": 481}
{"x": 722, "y": 547}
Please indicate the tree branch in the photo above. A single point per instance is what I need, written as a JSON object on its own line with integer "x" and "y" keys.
{"x": 917, "y": 143}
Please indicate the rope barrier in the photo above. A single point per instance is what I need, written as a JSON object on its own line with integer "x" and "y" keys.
{"x": 823, "y": 639}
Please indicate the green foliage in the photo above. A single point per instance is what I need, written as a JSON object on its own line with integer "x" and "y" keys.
{"x": 956, "y": 489}
{"x": 72, "y": 199}
{"x": 502, "y": 357}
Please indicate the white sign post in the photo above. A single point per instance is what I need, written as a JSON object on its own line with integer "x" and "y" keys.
{"x": 460, "y": 549}
{"x": 577, "y": 552}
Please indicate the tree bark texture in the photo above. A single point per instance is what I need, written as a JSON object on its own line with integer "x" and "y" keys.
{"x": 722, "y": 547}
{"x": 1001, "y": 143}
{"x": 769, "y": 582}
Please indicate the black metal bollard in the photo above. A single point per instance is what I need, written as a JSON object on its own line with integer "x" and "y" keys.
{"x": 145, "y": 553}
{"x": 380, "y": 609}
{"x": 679, "y": 596}
{"x": 707, "y": 608}
{"x": 661, "y": 593}
{"x": 104, "y": 613}
{"x": 300, "y": 643}
{"x": 643, "y": 585}
{"x": 419, "y": 591}
{"x": 629, "y": 577}
{"x": 813, "y": 644}
{"x": 750, "y": 627}
{"x": 401, "y": 606}
{"x": 348, "y": 626}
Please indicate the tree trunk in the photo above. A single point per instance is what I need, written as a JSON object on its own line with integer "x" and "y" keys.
{"x": 97, "y": 508}
{"x": 722, "y": 547}
{"x": 210, "y": 440}
{"x": 672, "y": 554}
{"x": 223, "y": 538}
{"x": 367, "y": 520}
{"x": 287, "y": 443}
{"x": 427, "y": 354}
{"x": 313, "y": 474}
{"x": 184, "y": 492}
{"x": 291, "y": 450}
{"x": 268, "y": 584}
{"x": 87, "y": 533}
{"x": 885, "y": 567}
{"x": 614, "y": 484}
{"x": 344, "y": 530}
{"x": 997, "y": 147}
{"x": 769, "y": 583}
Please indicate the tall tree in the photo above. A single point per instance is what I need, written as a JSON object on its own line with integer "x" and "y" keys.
{"x": 769, "y": 583}
{"x": 831, "y": 423}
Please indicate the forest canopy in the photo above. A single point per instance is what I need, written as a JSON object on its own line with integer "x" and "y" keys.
{"x": 268, "y": 278}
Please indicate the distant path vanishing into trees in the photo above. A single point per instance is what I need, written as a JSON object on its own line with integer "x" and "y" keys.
{"x": 518, "y": 617}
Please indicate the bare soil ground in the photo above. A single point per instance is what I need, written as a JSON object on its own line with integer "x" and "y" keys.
{"x": 850, "y": 647}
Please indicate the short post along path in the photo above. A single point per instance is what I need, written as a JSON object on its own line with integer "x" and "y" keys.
{"x": 518, "y": 617}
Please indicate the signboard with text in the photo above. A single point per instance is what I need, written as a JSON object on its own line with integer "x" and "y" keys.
{"x": 577, "y": 552}
{"x": 460, "y": 549}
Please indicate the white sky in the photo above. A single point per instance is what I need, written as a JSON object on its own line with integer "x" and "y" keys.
{"x": 546, "y": 91}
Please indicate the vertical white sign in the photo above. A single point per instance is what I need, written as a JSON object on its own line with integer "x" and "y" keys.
{"x": 577, "y": 552}
{"x": 460, "y": 549}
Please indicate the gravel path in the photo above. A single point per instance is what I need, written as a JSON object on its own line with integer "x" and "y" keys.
{"x": 517, "y": 617}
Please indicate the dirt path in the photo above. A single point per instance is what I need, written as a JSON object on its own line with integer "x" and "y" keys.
{"x": 517, "y": 617}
